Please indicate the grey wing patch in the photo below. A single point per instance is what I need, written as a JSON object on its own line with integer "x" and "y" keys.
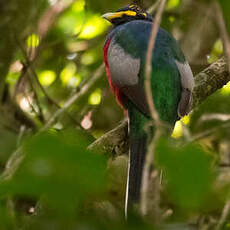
{"x": 124, "y": 70}
{"x": 187, "y": 84}
{"x": 123, "y": 67}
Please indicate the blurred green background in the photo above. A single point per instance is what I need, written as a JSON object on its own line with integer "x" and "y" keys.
{"x": 49, "y": 51}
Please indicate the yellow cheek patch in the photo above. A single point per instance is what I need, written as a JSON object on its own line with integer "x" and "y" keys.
{"x": 122, "y": 13}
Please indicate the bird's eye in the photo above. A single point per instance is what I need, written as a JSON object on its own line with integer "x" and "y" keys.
{"x": 144, "y": 14}
{"x": 135, "y": 8}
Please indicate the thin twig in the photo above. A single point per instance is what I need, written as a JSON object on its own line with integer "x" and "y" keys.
{"x": 18, "y": 156}
{"x": 12, "y": 164}
{"x": 20, "y": 135}
{"x": 24, "y": 73}
{"x": 146, "y": 177}
{"x": 224, "y": 216}
{"x": 40, "y": 112}
{"x": 48, "y": 18}
{"x": 208, "y": 132}
{"x": 148, "y": 67}
{"x": 46, "y": 21}
{"x": 223, "y": 31}
{"x": 32, "y": 107}
{"x": 44, "y": 25}
{"x": 30, "y": 67}
{"x": 153, "y": 8}
{"x": 75, "y": 97}
{"x": 153, "y": 112}
{"x": 214, "y": 116}
{"x": 50, "y": 99}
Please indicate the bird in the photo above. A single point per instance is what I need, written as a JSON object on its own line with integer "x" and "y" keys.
{"x": 171, "y": 82}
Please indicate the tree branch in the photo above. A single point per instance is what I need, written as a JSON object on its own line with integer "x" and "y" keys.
{"x": 207, "y": 82}
{"x": 115, "y": 142}
{"x": 210, "y": 80}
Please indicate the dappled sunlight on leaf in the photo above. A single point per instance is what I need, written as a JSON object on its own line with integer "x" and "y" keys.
{"x": 73, "y": 18}
{"x": 217, "y": 50}
{"x": 33, "y": 41}
{"x": 178, "y": 130}
{"x": 172, "y": 4}
{"x": 75, "y": 80}
{"x": 88, "y": 58}
{"x": 94, "y": 26}
{"x": 46, "y": 77}
{"x": 172, "y": 19}
{"x": 78, "y": 6}
{"x": 95, "y": 97}
{"x": 12, "y": 78}
{"x": 225, "y": 89}
{"x": 68, "y": 72}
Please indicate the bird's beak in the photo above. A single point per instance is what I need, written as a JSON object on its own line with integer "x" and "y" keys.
{"x": 119, "y": 14}
{"x": 110, "y": 16}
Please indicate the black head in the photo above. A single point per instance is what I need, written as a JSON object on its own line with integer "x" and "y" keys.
{"x": 127, "y": 14}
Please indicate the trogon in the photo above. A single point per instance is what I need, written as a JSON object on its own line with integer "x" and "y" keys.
{"x": 172, "y": 82}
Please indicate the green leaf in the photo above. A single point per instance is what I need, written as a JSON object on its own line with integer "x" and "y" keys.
{"x": 58, "y": 167}
{"x": 187, "y": 173}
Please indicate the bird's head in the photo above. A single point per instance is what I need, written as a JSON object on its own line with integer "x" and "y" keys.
{"x": 127, "y": 14}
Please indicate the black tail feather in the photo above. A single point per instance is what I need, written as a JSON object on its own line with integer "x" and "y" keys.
{"x": 136, "y": 163}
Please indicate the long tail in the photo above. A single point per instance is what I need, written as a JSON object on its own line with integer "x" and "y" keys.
{"x": 138, "y": 139}
{"x": 136, "y": 163}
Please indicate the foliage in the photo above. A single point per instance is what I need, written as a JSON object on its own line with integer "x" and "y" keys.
{"x": 49, "y": 51}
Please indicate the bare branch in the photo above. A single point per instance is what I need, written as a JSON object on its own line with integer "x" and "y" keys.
{"x": 113, "y": 143}
{"x": 209, "y": 80}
